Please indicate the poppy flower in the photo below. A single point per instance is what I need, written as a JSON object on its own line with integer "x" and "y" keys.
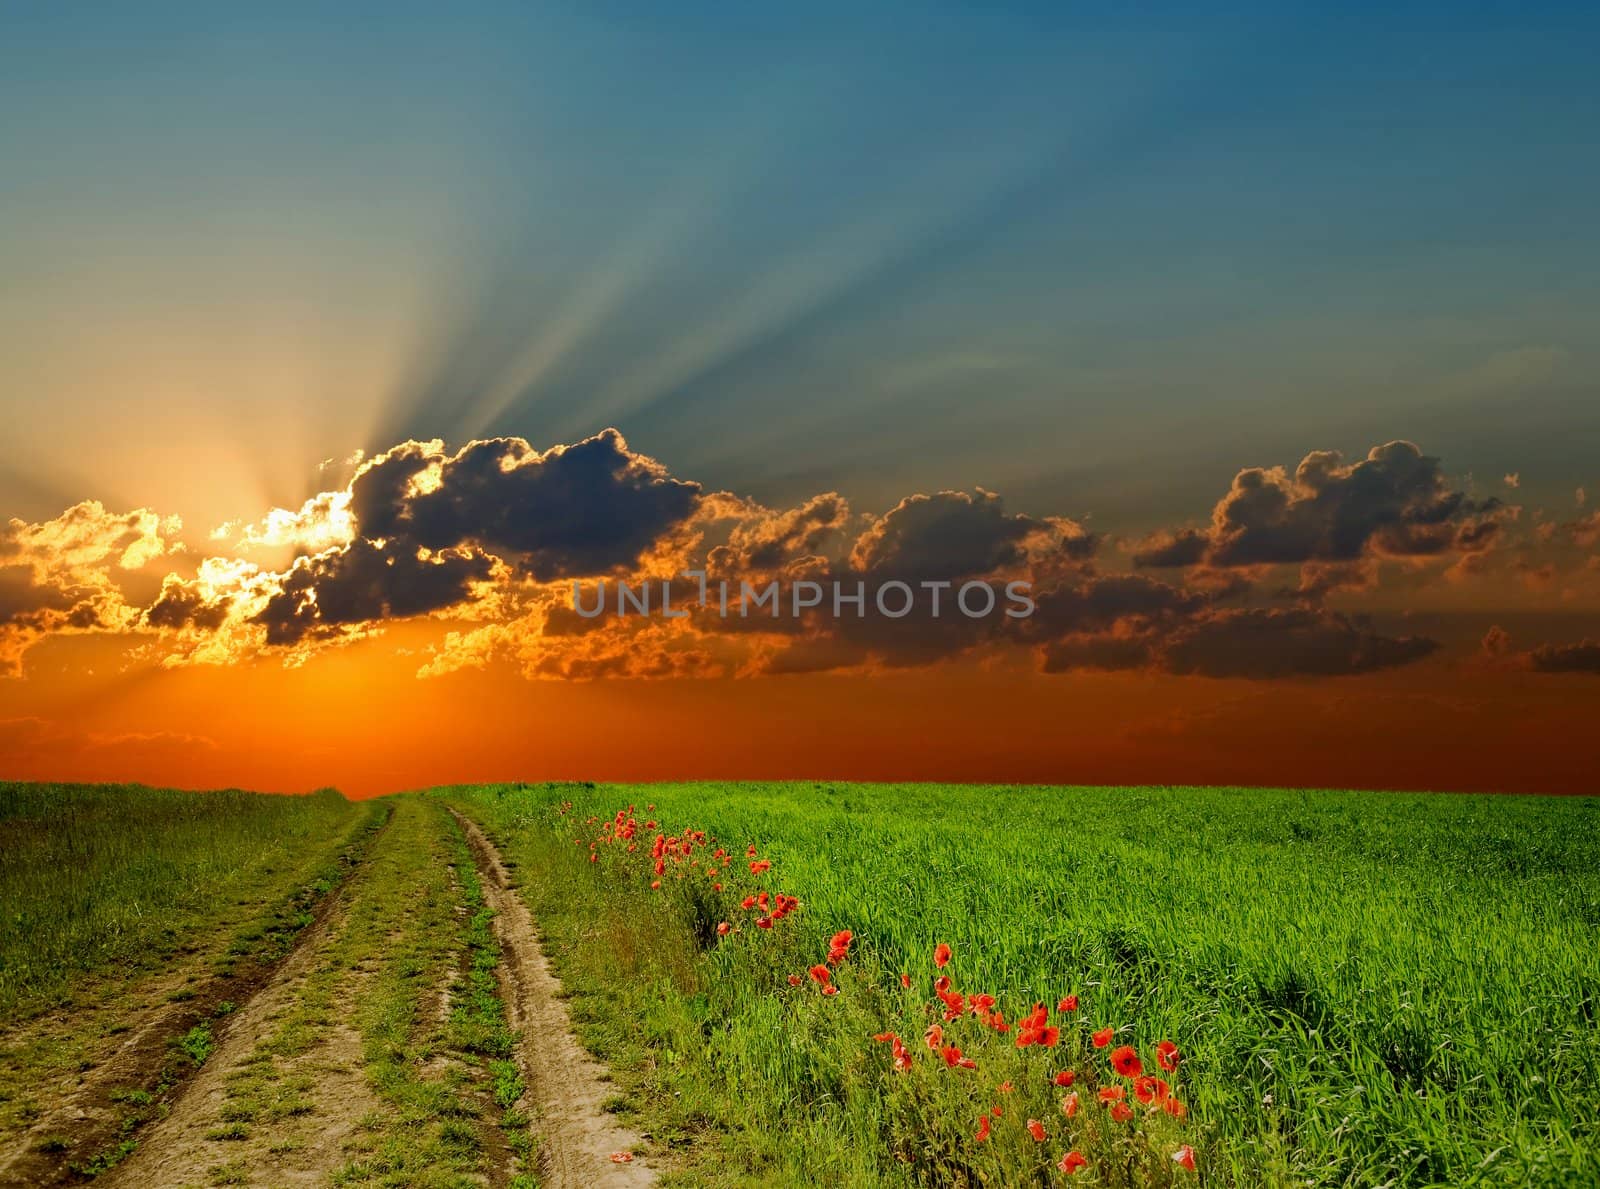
{"x": 1004, "y": 1087}
{"x": 941, "y": 955}
{"x": 757, "y": 866}
{"x": 654, "y": 884}
{"x": 819, "y": 973}
{"x": 1122, "y": 1112}
{"x": 905, "y": 981}
{"x": 1167, "y": 1055}
{"x": 748, "y": 902}
{"x": 723, "y": 929}
{"x": 1065, "y": 1078}
{"x": 996, "y": 1111}
{"x": 1069, "y": 1104}
{"x": 795, "y": 980}
{"x": 1184, "y": 1157}
{"x": 983, "y": 1129}
{"x": 1110, "y": 1094}
{"x": 1125, "y": 1060}
{"x": 887, "y": 1037}
{"x": 1103, "y": 1037}
{"x": 1036, "y": 1129}
{"x": 830, "y": 989}
{"x": 1151, "y": 1091}
{"x": 1068, "y": 1003}
{"x": 1071, "y": 1162}
{"x": 934, "y": 1036}
{"x": 763, "y": 922}
{"x": 1175, "y": 1108}
{"x": 941, "y": 984}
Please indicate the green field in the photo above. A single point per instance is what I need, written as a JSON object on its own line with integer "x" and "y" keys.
{"x": 1365, "y": 989}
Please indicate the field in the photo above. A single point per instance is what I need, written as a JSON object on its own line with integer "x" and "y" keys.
{"x": 1320, "y": 988}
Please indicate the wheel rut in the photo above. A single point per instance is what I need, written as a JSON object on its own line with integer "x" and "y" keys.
{"x": 567, "y": 1086}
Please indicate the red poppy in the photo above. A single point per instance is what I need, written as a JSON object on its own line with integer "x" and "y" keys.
{"x": 1175, "y": 1108}
{"x": 1122, "y": 1112}
{"x": 795, "y": 980}
{"x": 1072, "y": 1162}
{"x": 819, "y": 973}
{"x": 934, "y": 1036}
{"x": 905, "y": 981}
{"x": 941, "y": 955}
{"x": 1068, "y": 1003}
{"x": 723, "y": 929}
{"x": 1167, "y": 1055}
{"x": 748, "y": 902}
{"x": 1109, "y": 1094}
{"x": 983, "y": 1129}
{"x": 763, "y": 922}
{"x": 1184, "y": 1157}
{"x": 1069, "y": 1104}
{"x": 654, "y": 884}
{"x": 1103, "y": 1037}
{"x": 830, "y": 989}
{"x": 1065, "y": 1078}
{"x": 941, "y": 984}
{"x": 1151, "y": 1091}
{"x": 1004, "y": 1087}
{"x": 757, "y": 866}
{"x": 1125, "y": 1060}
{"x": 887, "y": 1037}
{"x": 1036, "y": 1129}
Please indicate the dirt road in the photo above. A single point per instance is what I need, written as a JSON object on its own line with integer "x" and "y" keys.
{"x": 356, "y": 1057}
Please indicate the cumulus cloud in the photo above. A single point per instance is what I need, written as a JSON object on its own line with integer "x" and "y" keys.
{"x": 491, "y": 536}
{"x": 64, "y": 575}
{"x": 1582, "y": 657}
{"x": 1395, "y": 502}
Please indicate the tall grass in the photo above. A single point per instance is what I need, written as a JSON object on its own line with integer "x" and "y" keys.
{"x": 92, "y": 875}
{"x": 1370, "y": 989}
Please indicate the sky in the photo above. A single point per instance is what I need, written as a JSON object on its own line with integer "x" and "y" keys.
{"x": 1259, "y": 342}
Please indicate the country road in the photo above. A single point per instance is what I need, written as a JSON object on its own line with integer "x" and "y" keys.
{"x": 355, "y": 1056}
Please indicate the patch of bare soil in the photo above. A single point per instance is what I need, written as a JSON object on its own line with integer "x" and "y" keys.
{"x": 578, "y": 1137}
{"x": 293, "y": 1149}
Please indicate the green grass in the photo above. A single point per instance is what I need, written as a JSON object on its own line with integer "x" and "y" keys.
{"x": 1369, "y": 989}
{"x": 96, "y": 875}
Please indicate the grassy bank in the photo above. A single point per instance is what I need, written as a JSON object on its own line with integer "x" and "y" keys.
{"x": 1365, "y": 988}
{"x": 96, "y": 875}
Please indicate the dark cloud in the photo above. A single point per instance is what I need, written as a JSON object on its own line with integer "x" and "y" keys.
{"x": 1395, "y": 502}
{"x": 1286, "y": 643}
{"x": 953, "y": 535}
{"x": 591, "y": 508}
{"x": 180, "y": 605}
{"x": 1582, "y": 657}
{"x": 364, "y": 582}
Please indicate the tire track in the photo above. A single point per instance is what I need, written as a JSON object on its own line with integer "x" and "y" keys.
{"x": 90, "y": 1110}
{"x": 578, "y": 1136}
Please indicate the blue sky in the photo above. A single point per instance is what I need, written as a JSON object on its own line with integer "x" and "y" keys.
{"x": 783, "y": 249}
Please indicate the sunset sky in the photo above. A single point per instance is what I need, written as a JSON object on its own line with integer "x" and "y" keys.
{"x": 335, "y": 346}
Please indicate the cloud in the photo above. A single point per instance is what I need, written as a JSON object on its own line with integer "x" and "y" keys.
{"x": 953, "y": 535}
{"x": 1582, "y": 657}
{"x": 1395, "y": 503}
{"x": 64, "y": 575}
{"x": 489, "y": 539}
{"x": 591, "y": 508}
